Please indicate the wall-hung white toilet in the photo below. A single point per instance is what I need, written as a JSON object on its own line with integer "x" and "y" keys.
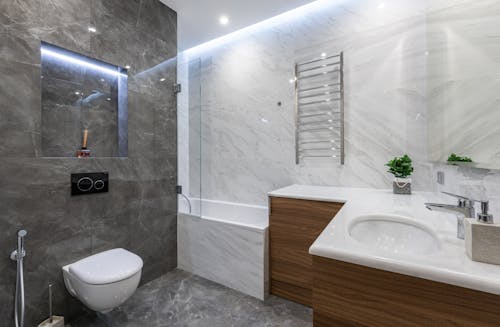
{"x": 105, "y": 280}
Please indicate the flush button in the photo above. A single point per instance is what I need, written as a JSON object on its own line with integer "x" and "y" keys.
{"x": 85, "y": 184}
{"x": 99, "y": 184}
{"x": 89, "y": 183}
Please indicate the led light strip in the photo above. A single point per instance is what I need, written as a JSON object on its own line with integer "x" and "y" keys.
{"x": 73, "y": 60}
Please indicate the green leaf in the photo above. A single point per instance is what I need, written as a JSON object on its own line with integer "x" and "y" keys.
{"x": 400, "y": 167}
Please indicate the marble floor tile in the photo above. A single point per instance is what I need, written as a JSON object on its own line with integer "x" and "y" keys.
{"x": 183, "y": 299}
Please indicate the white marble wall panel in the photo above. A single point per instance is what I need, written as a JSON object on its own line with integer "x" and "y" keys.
{"x": 228, "y": 254}
{"x": 248, "y": 139}
{"x": 391, "y": 78}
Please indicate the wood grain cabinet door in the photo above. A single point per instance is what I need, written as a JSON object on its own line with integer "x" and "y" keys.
{"x": 293, "y": 226}
{"x": 350, "y": 295}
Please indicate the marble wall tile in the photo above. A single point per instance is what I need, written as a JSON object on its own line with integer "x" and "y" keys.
{"x": 20, "y": 115}
{"x": 111, "y": 10}
{"x": 248, "y": 141}
{"x": 158, "y": 20}
{"x": 141, "y": 125}
{"x": 17, "y": 44}
{"x": 138, "y": 212}
{"x": 401, "y": 64}
{"x": 65, "y": 23}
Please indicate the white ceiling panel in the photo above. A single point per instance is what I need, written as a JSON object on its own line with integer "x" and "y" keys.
{"x": 198, "y": 20}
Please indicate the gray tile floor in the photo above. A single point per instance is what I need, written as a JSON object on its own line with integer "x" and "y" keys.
{"x": 182, "y": 299}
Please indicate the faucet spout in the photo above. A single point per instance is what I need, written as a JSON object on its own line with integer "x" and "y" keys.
{"x": 467, "y": 211}
{"x": 463, "y": 209}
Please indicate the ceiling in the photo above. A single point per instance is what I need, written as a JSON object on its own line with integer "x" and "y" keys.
{"x": 198, "y": 20}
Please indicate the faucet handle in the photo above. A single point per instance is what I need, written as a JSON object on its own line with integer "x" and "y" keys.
{"x": 484, "y": 217}
{"x": 462, "y": 200}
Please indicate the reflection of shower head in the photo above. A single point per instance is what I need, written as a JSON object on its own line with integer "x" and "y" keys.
{"x": 22, "y": 233}
{"x": 94, "y": 96}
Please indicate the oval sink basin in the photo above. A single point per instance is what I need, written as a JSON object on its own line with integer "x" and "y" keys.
{"x": 393, "y": 233}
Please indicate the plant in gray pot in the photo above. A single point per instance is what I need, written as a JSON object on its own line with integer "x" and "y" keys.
{"x": 402, "y": 169}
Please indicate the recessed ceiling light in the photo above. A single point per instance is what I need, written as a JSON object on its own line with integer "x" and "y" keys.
{"x": 77, "y": 93}
{"x": 163, "y": 79}
{"x": 323, "y": 54}
{"x": 127, "y": 67}
{"x": 381, "y": 5}
{"x": 92, "y": 29}
{"x": 224, "y": 20}
{"x": 109, "y": 99}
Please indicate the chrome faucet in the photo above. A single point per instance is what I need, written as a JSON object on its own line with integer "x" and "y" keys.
{"x": 464, "y": 209}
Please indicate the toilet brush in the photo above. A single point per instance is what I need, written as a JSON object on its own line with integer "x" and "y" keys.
{"x": 52, "y": 321}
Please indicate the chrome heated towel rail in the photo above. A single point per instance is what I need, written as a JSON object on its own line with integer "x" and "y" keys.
{"x": 319, "y": 108}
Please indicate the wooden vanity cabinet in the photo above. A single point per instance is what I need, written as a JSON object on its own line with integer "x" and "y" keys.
{"x": 349, "y": 295}
{"x": 293, "y": 226}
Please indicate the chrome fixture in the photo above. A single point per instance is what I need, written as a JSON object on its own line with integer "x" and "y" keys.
{"x": 319, "y": 108}
{"x": 51, "y": 316}
{"x": 485, "y": 217}
{"x": 464, "y": 209}
{"x": 18, "y": 256}
{"x": 178, "y": 189}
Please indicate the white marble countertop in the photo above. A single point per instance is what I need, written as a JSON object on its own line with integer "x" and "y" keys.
{"x": 449, "y": 264}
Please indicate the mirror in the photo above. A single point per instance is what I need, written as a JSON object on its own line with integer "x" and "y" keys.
{"x": 463, "y": 86}
{"x": 84, "y": 106}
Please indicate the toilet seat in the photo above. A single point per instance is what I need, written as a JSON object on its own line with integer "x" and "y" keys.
{"x": 105, "y": 280}
{"x": 106, "y": 267}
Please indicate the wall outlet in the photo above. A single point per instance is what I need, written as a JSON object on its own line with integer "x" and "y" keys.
{"x": 440, "y": 177}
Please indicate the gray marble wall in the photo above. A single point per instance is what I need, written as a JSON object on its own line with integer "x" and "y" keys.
{"x": 139, "y": 212}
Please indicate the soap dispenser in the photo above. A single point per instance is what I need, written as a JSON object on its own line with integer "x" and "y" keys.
{"x": 482, "y": 237}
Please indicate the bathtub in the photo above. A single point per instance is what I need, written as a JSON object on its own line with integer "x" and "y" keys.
{"x": 227, "y": 244}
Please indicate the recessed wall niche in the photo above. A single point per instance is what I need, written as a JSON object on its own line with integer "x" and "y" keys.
{"x": 84, "y": 105}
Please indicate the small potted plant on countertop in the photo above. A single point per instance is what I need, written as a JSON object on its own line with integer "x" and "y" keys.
{"x": 402, "y": 169}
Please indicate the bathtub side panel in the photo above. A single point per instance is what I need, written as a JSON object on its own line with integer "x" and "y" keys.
{"x": 224, "y": 253}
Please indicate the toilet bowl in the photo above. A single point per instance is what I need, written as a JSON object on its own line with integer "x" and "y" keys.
{"x": 104, "y": 280}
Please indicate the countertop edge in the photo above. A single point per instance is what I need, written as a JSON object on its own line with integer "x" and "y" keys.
{"x": 419, "y": 271}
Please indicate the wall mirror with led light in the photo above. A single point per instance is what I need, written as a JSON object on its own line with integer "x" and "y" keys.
{"x": 84, "y": 105}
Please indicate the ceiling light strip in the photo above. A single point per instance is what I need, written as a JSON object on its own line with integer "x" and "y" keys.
{"x": 74, "y": 60}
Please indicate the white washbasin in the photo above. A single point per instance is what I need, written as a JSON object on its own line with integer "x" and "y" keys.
{"x": 394, "y": 233}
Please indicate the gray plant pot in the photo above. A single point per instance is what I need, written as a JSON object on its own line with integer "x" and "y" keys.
{"x": 401, "y": 186}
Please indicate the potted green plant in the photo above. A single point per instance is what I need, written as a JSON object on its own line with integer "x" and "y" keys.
{"x": 402, "y": 169}
{"x": 455, "y": 159}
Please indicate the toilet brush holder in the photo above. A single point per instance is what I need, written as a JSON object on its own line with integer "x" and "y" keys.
{"x": 52, "y": 321}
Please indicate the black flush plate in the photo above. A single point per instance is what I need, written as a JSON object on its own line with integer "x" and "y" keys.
{"x": 88, "y": 183}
